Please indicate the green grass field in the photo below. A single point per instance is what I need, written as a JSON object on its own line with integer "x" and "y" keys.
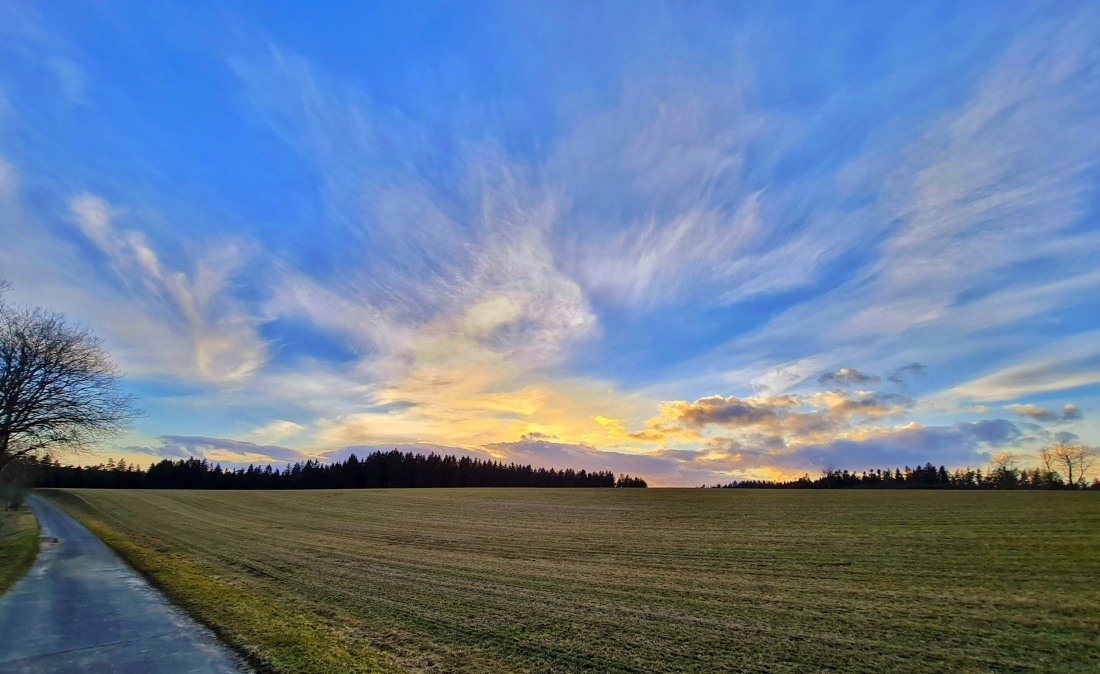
{"x": 18, "y": 545}
{"x": 483, "y": 580}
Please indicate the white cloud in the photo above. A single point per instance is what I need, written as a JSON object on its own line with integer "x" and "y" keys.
{"x": 275, "y": 431}
{"x": 1029, "y": 378}
{"x": 992, "y": 184}
{"x": 452, "y": 300}
{"x": 461, "y": 297}
{"x": 156, "y": 321}
{"x": 992, "y": 187}
{"x": 656, "y": 209}
{"x": 223, "y": 340}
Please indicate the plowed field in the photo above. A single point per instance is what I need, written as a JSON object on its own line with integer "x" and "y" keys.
{"x": 609, "y": 580}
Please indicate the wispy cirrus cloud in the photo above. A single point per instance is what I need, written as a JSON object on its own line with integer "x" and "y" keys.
{"x": 160, "y": 319}
{"x": 26, "y": 33}
{"x": 464, "y": 312}
{"x": 997, "y": 182}
{"x": 195, "y": 307}
{"x": 708, "y": 267}
{"x": 466, "y": 344}
{"x": 910, "y": 371}
{"x": 1060, "y": 365}
{"x": 657, "y": 205}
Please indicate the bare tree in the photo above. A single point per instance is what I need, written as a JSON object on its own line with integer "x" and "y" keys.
{"x": 1003, "y": 474}
{"x": 1004, "y": 461}
{"x": 1073, "y": 461}
{"x": 59, "y": 390}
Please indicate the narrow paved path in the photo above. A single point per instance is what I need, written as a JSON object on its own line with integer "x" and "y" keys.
{"x": 81, "y": 609}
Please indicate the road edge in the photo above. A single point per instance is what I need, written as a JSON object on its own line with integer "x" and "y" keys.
{"x": 283, "y": 646}
{"x": 22, "y": 548}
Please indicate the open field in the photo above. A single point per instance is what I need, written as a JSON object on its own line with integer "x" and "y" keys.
{"x": 625, "y": 580}
{"x": 18, "y": 545}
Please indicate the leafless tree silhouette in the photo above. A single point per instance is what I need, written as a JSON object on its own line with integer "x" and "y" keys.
{"x": 1073, "y": 461}
{"x": 59, "y": 390}
{"x": 1004, "y": 461}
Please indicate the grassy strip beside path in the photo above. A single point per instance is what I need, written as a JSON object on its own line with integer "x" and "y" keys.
{"x": 274, "y": 636}
{"x": 18, "y": 545}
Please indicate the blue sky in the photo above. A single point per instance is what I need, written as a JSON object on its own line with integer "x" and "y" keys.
{"x": 692, "y": 241}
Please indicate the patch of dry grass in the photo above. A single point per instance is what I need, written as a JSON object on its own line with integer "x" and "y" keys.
{"x": 483, "y": 580}
{"x": 18, "y": 544}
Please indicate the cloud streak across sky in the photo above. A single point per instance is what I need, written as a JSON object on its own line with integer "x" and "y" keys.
{"x": 695, "y": 244}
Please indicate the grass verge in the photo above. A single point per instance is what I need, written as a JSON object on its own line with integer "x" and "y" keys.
{"x": 272, "y": 635}
{"x": 18, "y": 545}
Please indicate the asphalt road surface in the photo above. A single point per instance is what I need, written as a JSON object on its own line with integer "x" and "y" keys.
{"x": 81, "y": 609}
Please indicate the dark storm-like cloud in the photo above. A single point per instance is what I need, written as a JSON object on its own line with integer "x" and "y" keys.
{"x": 955, "y": 445}
{"x": 182, "y": 446}
{"x": 564, "y": 455}
{"x": 847, "y": 376}
{"x": 872, "y": 405}
{"x": 1069, "y": 412}
{"x": 911, "y": 371}
{"x": 535, "y": 435}
{"x": 996, "y": 432}
{"x": 161, "y": 452}
{"x": 786, "y": 415}
{"x": 725, "y": 412}
{"x": 1066, "y": 436}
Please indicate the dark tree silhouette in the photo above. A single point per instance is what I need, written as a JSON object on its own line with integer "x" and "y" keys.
{"x": 1003, "y": 476}
{"x": 1073, "y": 461}
{"x": 377, "y": 470}
{"x": 627, "y": 481}
{"x": 59, "y": 390}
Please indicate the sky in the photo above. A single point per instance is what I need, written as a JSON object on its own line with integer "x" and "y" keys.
{"x": 696, "y": 242}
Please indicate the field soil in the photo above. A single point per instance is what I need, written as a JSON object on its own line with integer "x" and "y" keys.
{"x": 657, "y": 580}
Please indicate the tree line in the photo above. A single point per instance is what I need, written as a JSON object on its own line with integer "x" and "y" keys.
{"x": 378, "y": 470}
{"x": 925, "y": 477}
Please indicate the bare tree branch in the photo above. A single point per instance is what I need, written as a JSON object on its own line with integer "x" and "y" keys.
{"x": 1073, "y": 461}
{"x": 1004, "y": 461}
{"x": 59, "y": 389}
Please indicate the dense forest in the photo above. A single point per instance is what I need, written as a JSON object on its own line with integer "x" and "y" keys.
{"x": 394, "y": 469}
{"x": 921, "y": 477}
{"x": 378, "y": 470}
